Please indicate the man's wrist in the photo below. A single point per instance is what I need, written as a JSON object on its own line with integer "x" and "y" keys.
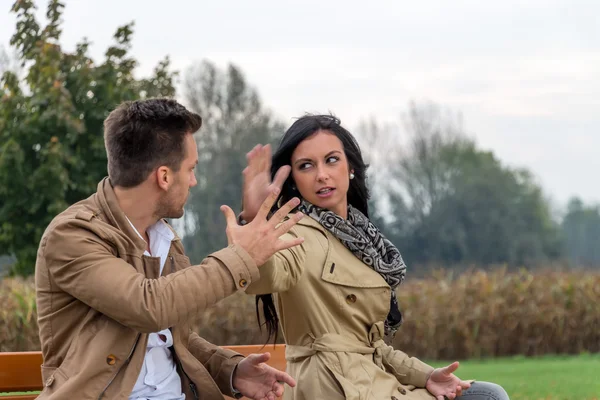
{"x": 236, "y": 393}
{"x": 429, "y": 377}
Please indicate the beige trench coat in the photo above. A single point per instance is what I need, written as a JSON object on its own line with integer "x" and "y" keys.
{"x": 331, "y": 308}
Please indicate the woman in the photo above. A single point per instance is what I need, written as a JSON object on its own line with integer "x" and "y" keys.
{"x": 335, "y": 294}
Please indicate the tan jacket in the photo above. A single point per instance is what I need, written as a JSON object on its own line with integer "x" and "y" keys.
{"x": 331, "y": 308}
{"x": 98, "y": 298}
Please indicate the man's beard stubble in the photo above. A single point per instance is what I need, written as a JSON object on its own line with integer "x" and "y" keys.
{"x": 167, "y": 208}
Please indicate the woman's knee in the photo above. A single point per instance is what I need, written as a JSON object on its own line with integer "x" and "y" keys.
{"x": 485, "y": 391}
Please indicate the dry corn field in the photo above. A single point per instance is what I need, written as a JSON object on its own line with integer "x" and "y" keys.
{"x": 477, "y": 314}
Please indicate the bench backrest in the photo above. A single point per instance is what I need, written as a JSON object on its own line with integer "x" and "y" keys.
{"x": 20, "y": 372}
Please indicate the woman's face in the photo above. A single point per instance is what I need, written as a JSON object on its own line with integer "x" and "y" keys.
{"x": 321, "y": 173}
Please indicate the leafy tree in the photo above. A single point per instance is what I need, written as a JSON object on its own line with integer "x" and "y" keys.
{"x": 489, "y": 214}
{"x": 581, "y": 233}
{"x": 450, "y": 202}
{"x": 51, "y": 141}
{"x": 234, "y": 121}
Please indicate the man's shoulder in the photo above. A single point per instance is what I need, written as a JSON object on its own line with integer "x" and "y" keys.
{"x": 76, "y": 231}
{"x": 84, "y": 215}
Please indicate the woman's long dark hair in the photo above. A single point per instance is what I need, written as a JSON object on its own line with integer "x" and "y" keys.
{"x": 358, "y": 193}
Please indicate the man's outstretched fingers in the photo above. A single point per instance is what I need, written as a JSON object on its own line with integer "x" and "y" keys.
{"x": 230, "y": 218}
{"x": 281, "y": 175}
{"x": 283, "y": 377}
{"x": 257, "y": 358}
{"x": 252, "y": 153}
{"x": 266, "y": 152}
{"x": 264, "y": 357}
{"x": 287, "y": 225}
{"x": 286, "y": 244}
{"x": 278, "y": 389}
{"x": 283, "y": 212}
{"x": 265, "y": 208}
{"x": 253, "y": 162}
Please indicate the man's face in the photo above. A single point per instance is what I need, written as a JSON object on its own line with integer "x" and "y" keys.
{"x": 173, "y": 201}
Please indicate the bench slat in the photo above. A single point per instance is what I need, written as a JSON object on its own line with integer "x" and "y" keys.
{"x": 20, "y": 372}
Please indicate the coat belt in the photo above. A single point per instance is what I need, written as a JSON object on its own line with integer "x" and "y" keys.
{"x": 333, "y": 342}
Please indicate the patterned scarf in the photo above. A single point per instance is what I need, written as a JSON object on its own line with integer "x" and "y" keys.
{"x": 369, "y": 245}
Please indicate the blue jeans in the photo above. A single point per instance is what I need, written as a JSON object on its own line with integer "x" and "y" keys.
{"x": 484, "y": 391}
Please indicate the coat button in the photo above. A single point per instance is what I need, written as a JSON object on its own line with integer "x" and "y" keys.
{"x": 111, "y": 359}
{"x": 350, "y": 299}
{"x": 243, "y": 283}
{"x": 402, "y": 390}
{"x": 394, "y": 398}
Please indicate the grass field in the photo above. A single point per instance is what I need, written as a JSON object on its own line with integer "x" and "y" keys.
{"x": 547, "y": 378}
{"x": 543, "y": 378}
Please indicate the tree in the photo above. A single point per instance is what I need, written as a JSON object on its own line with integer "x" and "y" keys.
{"x": 581, "y": 233}
{"x": 451, "y": 203}
{"x": 233, "y": 121}
{"x": 490, "y": 214}
{"x": 51, "y": 140}
{"x": 375, "y": 142}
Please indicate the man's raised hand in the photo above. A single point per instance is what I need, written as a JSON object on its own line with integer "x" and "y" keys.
{"x": 261, "y": 237}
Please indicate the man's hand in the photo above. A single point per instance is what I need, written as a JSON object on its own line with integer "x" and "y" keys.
{"x": 258, "y": 381}
{"x": 442, "y": 383}
{"x": 261, "y": 237}
{"x": 257, "y": 180}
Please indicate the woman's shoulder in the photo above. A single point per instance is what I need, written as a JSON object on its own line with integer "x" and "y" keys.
{"x": 307, "y": 224}
{"x": 312, "y": 232}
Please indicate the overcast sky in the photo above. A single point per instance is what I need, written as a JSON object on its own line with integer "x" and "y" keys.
{"x": 524, "y": 74}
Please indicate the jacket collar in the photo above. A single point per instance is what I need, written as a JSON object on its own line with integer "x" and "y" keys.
{"x": 308, "y": 221}
{"x": 109, "y": 205}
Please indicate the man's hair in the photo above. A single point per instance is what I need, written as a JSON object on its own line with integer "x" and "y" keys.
{"x": 143, "y": 135}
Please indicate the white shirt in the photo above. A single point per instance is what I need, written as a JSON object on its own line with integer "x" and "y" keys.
{"x": 158, "y": 379}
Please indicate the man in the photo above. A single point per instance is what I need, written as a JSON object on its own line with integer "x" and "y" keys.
{"x": 115, "y": 291}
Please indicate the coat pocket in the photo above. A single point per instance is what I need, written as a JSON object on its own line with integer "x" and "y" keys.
{"x": 332, "y": 382}
{"x": 344, "y": 268}
{"x": 350, "y": 391}
{"x": 52, "y": 378}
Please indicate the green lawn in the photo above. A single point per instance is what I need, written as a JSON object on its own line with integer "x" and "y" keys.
{"x": 547, "y": 378}
{"x": 543, "y": 378}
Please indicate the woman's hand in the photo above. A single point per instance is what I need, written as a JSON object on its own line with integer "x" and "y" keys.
{"x": 442, "y": 383}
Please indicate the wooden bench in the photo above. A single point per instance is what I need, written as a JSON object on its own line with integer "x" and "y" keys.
{"x": 20, "y": 372}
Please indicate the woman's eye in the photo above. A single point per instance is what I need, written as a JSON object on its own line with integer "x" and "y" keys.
{"x": 333, "y": 159}
{"x": 304, "y": 166}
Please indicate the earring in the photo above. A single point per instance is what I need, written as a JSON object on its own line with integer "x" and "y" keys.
{"x": 351, "y": 175}
{"x": 294, "y": 187}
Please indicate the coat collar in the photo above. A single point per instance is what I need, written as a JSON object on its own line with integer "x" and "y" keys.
{"x": 109, "y": 206}
{"x": 308, "y": 221}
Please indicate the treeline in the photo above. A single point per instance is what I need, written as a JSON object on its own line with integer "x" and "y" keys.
{"x": 440, "y": 197}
